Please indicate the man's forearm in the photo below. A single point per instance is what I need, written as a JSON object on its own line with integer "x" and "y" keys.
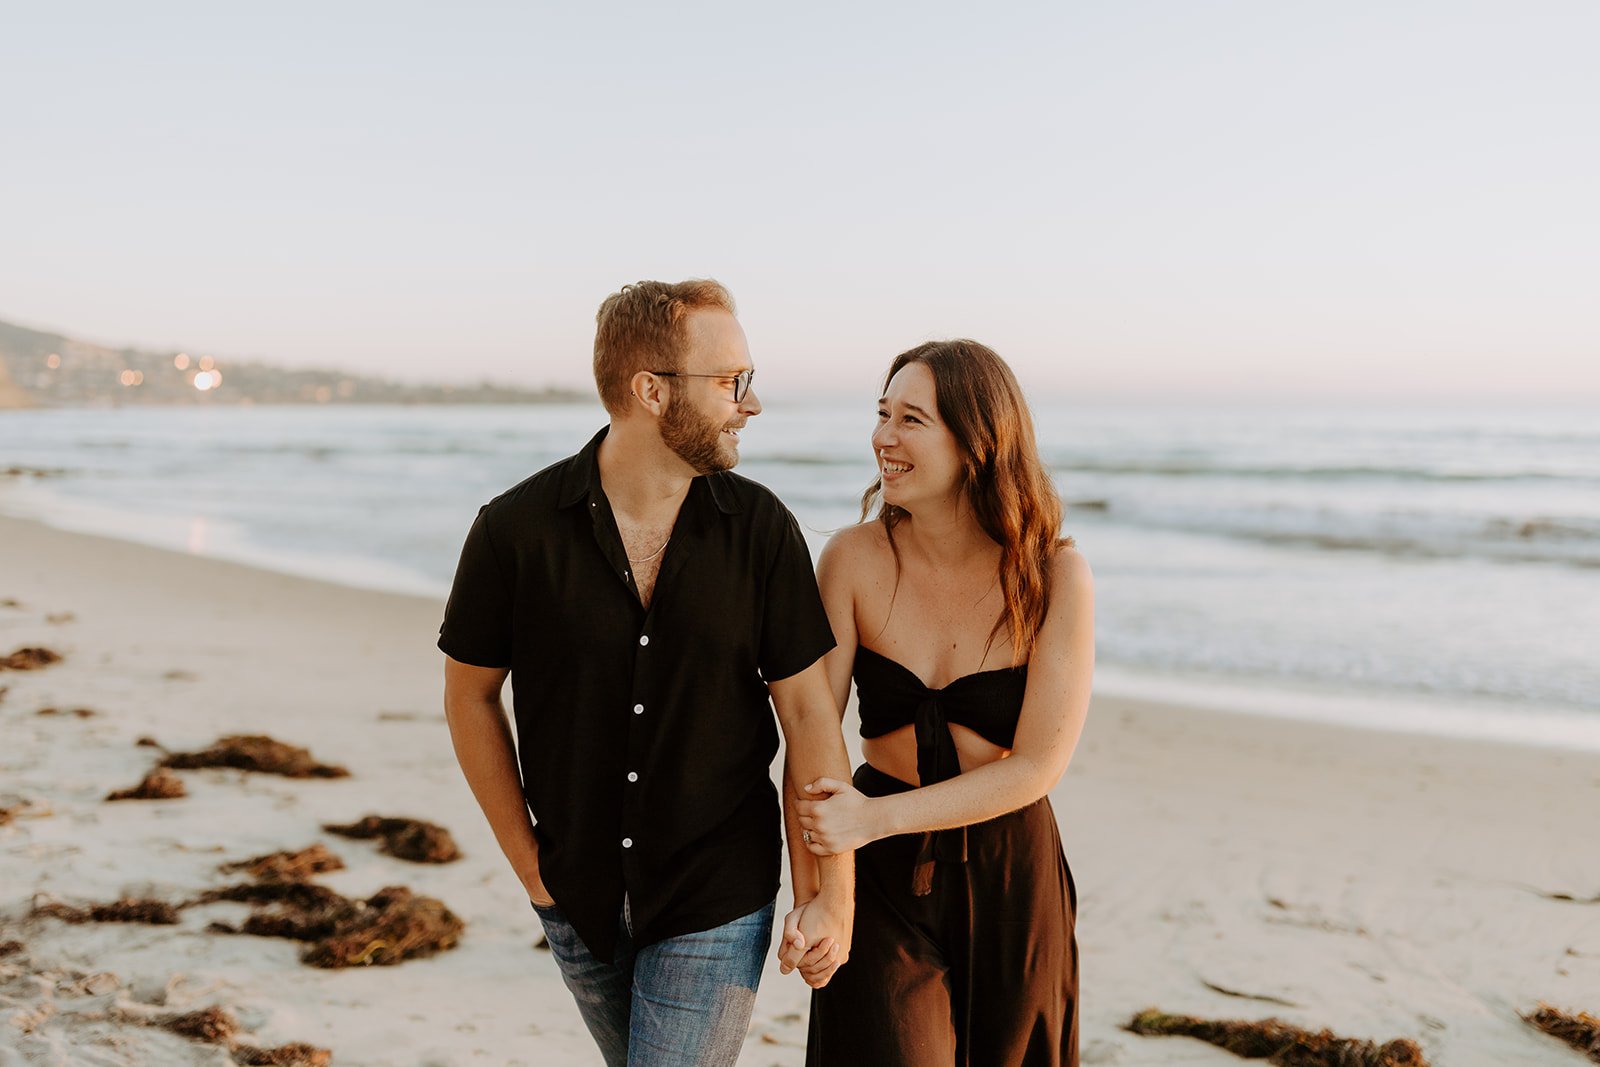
{"x": 488, "y": 759}
{"x": 803, "y": 871}
{"x": 816, "y": 750}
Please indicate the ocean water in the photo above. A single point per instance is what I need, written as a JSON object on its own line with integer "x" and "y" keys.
{"x": 1419, "y": 569}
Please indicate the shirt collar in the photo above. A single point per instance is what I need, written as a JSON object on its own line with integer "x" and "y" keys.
{"x": 582, "y": 478}
{"x": 583, "y": 472}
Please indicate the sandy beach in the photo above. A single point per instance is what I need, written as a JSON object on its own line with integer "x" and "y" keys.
{"x": 1230, "y": 866}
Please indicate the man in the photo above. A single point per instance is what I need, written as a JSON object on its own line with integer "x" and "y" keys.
{"x": 645, "y": 602}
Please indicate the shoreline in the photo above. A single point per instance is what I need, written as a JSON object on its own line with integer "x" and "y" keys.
{"x": 1381, "y": 884}
{"x": 1427, "y": 714}
{"x": 1154, "y": 691}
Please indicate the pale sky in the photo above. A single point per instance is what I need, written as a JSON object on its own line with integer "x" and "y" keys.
{"x": 1132, "y": 198}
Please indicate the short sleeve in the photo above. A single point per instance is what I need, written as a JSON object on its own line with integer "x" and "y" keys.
{"x": 794, "y": 625}
{"x": 477, "y": 617}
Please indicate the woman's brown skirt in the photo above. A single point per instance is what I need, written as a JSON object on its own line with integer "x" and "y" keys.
{"x": 981, "y": 972}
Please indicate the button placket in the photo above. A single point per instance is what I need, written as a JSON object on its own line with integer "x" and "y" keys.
{"x": 634, "y": 742}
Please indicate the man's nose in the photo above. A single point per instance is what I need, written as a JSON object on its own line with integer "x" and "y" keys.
{"x": 751, "y": 404}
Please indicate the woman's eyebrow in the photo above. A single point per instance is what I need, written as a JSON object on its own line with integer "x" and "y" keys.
{"x": 883, "y": 401}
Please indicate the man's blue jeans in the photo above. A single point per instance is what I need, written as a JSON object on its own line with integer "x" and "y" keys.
{"x": 683, "y": 1001}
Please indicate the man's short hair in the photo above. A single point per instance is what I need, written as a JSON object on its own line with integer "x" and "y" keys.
{"x": 644, "y": 327}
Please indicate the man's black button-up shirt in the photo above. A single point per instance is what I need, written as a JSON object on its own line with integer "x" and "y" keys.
{"x": 645, "y": 738}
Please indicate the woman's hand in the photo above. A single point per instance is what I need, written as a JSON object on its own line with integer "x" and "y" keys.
{"x": 841, "y": 820}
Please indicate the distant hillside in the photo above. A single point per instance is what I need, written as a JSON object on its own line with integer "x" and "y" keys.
{"x": 11, "y": 395}
{"x": 40, "y": 369}
{"x": 20, "y": 341}
{"x": 17, "y": 349}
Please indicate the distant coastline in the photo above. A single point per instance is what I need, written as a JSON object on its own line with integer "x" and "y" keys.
{"x": 39, "y": 369}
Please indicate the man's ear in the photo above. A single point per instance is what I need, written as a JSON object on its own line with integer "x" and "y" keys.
{"x": 648, "y": 391}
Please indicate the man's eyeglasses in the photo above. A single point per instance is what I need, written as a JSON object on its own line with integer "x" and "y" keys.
{"x": 741, "y": 381}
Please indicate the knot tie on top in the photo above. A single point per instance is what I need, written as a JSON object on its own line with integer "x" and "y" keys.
{"x": 937, "y": 761}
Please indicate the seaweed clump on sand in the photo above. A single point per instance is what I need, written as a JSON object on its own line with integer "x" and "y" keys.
{"x": 299, "y": 911}
{"x": 159, "y": 784}
{"x": 1580, "y": 1030}
{"x": 288, "y": 866}
{"x": 14, "y": 806}
{"x": 124, "y": 910}
{"x": 392, "y": 925}
{"x": 29, "y": 659}
{"x": 407, "y": 839}
{"x": 297, "y": 1054}
{"x": 1281, "y": 1043}
{"x": 255, "y": 752}
{"x": 214, "y": 1026}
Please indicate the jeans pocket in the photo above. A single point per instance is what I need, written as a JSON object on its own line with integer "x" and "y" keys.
{"x": 558, "y": 932}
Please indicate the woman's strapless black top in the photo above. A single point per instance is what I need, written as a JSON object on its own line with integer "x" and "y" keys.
{"x": 891, "y": 696}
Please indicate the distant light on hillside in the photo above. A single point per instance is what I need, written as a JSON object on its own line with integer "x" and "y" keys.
{"x": 37, "y": 369}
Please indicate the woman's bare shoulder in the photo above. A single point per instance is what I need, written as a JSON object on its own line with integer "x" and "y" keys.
{"x": 857, "y": 558}
{"x": 858, "y": 545}
{"x": 1069, "y": 571}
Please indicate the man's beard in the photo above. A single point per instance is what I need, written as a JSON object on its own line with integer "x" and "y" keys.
{"x": 695, "y": 439}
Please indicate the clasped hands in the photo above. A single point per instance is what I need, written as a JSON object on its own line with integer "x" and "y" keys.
{"x": 816, "y": 937}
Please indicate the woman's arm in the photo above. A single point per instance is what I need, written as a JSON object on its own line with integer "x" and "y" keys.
{"x": 1054, "y": 707}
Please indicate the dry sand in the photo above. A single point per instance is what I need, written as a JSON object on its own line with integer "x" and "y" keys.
{"x": 1381, "y": 884}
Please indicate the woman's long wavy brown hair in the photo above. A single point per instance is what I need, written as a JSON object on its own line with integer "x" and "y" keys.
{"x": 1004, "y": 480}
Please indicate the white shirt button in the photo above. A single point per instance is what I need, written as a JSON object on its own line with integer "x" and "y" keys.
{"x": 633, "y": 776}
{"x": 644, "y": 639}
{"x": 638, "y": 709}
{"x": 627, "y": 842}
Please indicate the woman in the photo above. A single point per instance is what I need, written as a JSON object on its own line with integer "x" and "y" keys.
{"x": 967, "y": 623}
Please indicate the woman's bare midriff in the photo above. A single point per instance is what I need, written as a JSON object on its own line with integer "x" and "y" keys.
{"x": 895, "y": 754}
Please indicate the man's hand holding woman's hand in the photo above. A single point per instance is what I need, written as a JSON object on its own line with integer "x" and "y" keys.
{"x": 816, "y": 938}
